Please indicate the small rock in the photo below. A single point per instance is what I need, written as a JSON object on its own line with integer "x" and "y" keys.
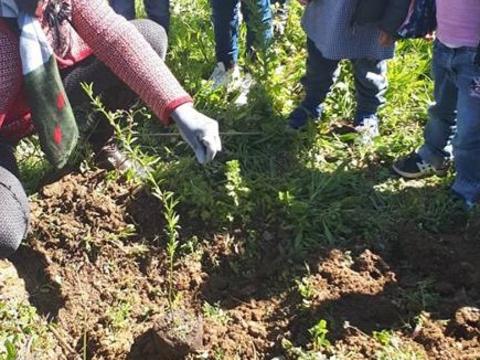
{"x": 257, "y": 330}
{"x": 466, "y": 323}
{"x": 239, "y": 318}
{"x": 468, "y": 315}
{"x": 256, "y": 315}
{"x": 196, "y": 281}
{"x": 52, "y": 190}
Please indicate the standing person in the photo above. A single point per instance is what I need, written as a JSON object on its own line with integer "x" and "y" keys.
{"x": 453, "y": 128}
{"x": 348, "y": 29}
{"x": 226, "y": 20}
{"x": 157, "y": 10}
{"x": 48, "y": 48}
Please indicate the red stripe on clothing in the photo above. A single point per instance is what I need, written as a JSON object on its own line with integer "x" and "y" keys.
{"x": 2, "y": 119}
{"x": 171, "y": 107}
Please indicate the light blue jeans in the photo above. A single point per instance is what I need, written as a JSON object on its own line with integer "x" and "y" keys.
{"x": 226, "y": 21}
{"x": 453, "y": 130}
{"x": 157, "y": 10}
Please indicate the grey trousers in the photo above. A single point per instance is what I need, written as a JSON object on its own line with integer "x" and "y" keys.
{"x": 14, "y": 209}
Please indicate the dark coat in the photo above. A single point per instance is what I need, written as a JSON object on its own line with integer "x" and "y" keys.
{"x": 388, "y": 14}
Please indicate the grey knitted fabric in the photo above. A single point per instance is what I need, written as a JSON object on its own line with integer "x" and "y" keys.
{"x": 14, "y": 209}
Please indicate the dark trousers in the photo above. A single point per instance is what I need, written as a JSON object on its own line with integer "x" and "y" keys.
{"x": 157, "y": 10}
{"x": 14, "y": 210}
{"x": 370, "y": 81}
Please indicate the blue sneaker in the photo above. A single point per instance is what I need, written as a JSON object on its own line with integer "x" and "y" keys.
{"x": 300, "y": 116}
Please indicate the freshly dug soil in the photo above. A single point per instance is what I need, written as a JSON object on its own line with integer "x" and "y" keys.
{"x": 95, "y": 264}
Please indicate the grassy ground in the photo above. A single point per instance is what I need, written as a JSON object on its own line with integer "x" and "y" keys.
{"x": 316, "y": 188}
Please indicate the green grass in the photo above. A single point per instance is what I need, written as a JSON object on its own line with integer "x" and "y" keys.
{"x": 320, "y": 189}
{"x": 23, "y": 332}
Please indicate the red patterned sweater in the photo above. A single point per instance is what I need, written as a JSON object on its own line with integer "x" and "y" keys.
{"x": 114, "y": 41}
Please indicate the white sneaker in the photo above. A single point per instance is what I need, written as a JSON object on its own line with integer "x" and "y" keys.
{"x": 243, "y": 86}
{"x": 233, "y": 81}
{"x": 223, "y": 77}
{"x": 368, "y": 131}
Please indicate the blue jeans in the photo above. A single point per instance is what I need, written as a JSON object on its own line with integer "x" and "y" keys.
{"x": 370, "y": 82}
{"x": 258, "y": 18}
{"x": 157, "y": 10}
{"x": 453, "y": 129}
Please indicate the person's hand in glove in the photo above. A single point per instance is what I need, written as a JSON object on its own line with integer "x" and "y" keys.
{"x": 199, "y": 131}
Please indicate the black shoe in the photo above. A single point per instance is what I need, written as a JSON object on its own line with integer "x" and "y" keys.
{"x": 299, "y": 117}
{"x": 414, "y": 167}
{"x": 110, "y": 157}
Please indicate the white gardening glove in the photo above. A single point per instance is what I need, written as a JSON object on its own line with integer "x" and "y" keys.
{"x": 199, "y": 131}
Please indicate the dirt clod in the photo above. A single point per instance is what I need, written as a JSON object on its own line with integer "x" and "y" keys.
{"x": 466, "y": 323}
{"x": 173, "y": 337}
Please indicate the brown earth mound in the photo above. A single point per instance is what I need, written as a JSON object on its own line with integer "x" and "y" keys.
{"x": 95, "y": 264}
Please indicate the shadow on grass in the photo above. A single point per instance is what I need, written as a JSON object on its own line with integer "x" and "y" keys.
{"x": 44, "y": 292}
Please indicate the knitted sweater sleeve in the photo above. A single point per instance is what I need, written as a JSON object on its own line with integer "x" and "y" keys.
{"x": 123, "y": 49}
